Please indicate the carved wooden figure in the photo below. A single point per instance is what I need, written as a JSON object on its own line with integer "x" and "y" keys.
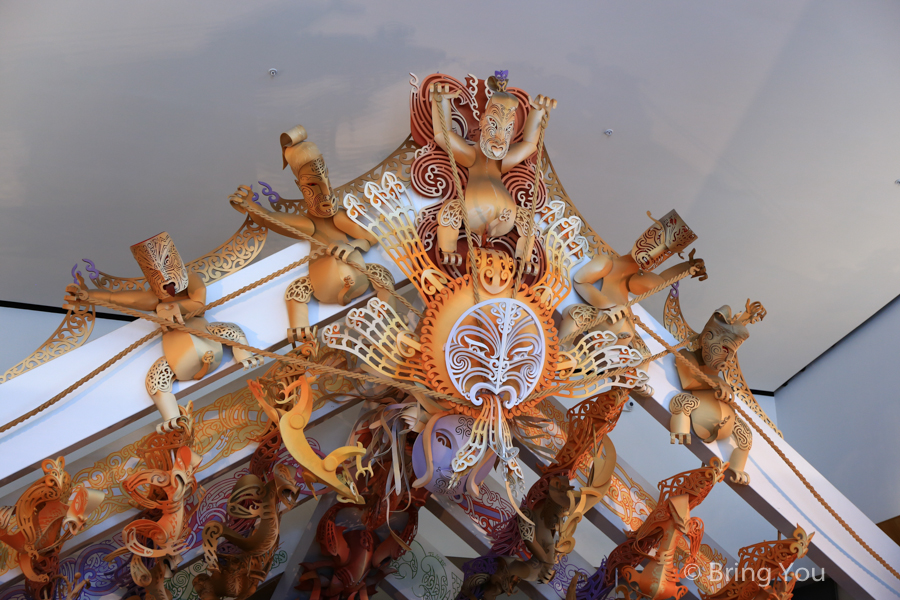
{"x": 655, "y": 542}
{"x": 174, "y": 292}
{"x": 331, "y": 279}
{"x": 619, "y": 276}
{"x": 762, "y": 573}
{"x": 544, "y": 528}
{"x": 255, "y": 502}
{"x": 163, "y": 489}
{"x": 490, "y": 209}
{"x": 711, "y": 417}
{"x": 329, "y": 471}
{"x": 359, "y": 542}
{"x": 47, "y": 514}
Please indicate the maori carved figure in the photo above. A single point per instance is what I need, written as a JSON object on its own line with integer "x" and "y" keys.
{"x": 47, "y": 514}
{"x": 632, "y": 273}
{"x": 361, "y": 541}
{"x": 490, "y": 209}
{"x": 699, "y": 407}
{"x": 544, "y": 529}
{"x": 255, "y": 518}
{"x": 496, "y": 358}
{"x": 163, "y": 489}
{"x": 331, "y": 470}
{"x": 173, "y": 293}
{"x": 655, "y": 541}
{"x": 762, "y": 571}
{"x": 331, "y": 279}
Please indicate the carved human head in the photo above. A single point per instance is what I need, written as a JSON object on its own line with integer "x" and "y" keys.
{"x": 670, "y": 235}
{"x": 162, "y": 265}
{"x": 434, "y": 451}
{"x": 558, "y": 490}
{"x": 498, "y": 120}
{"x": 721, "y": 338}
{"x": 310, "y": 171}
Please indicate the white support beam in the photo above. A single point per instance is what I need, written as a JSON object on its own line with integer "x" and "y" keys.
{"x": 118, "y": 396}
{"x": 778, "y": 495}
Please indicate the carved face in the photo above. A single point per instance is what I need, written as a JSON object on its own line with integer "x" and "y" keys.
{"x": 312, "y": 179}
{"x": 162, "y": 265}
{"x": 448, "y": 436}
{"x": 664, "y": 238}
{"x": 721, "y": 339}
{"x": 497, "y": 124}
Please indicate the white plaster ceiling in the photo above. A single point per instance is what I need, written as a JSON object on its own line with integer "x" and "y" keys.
{"x": 771, "y": 126}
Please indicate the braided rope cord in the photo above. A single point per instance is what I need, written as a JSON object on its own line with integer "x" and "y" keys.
{"x": 323, "y": 246}
{"x": 812, "y": 490}
{"x": 293, "y": 360}
{"x": 44, "y": 406}
{"x": 538, "y": 173}
{"x": 470, "y": 240}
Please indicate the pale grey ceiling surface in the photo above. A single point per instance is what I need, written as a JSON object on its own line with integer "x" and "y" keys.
{"x": 772, "y": 127}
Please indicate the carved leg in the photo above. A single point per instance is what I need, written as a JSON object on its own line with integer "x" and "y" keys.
{"x": 297, "y": 297}
{"x": 232, "y": 332}
{"x": 524, "y": 251}
{"x": 449, "y": 223}
{"x": 159, "y": 386}
{"x": 681, "y": 407}
{"x": 743, "y": 437}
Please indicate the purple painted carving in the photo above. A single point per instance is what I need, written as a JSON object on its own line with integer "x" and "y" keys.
{"x": 93, "y": 273}
{"x": 592, "y": 588}
{"x": 271, "y": 195}
{"x": 674, "y": 291}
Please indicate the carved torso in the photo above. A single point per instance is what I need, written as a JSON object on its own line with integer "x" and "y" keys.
{"x": 329, "y": 275}
{"x": 487, "y": 199}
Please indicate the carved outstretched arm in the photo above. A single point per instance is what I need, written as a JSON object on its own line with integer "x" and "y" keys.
{"x": 463, "y": 153}
{"x": 528, "y": 146}
{"x": 244, "y": 196}
{"x": 686, "y": 265}
{"x": 138, "y": 300}
{"x": 359, "y": 236}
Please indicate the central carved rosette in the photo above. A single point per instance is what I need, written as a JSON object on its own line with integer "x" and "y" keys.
{"x": 496, "y": 347}
{"x": 503, "y": 347}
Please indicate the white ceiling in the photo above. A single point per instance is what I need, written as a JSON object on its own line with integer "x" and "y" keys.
{"x": 771, "y": 126}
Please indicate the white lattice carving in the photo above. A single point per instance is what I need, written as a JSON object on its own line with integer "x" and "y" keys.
{"x": 496, "y": 347}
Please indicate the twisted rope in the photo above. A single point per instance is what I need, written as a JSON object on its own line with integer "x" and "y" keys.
{"x": 473, "y": 268}
{"x": 812, "y": 490}
{"x": 323, "y": 246}
{"x": 44, "y": 406}
{"x": 759, "y": 430}
{"x": 538, "y": 172}
{"x": 293, "y": 360}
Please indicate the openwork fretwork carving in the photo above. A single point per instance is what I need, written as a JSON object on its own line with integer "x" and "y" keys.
{"x": 495, "y": 347}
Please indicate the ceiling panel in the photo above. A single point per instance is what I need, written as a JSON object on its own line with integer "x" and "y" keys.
{"x": 772, "y": 127}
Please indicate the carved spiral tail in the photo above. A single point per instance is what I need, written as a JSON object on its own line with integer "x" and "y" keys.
{"x": 211, "y": 533}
